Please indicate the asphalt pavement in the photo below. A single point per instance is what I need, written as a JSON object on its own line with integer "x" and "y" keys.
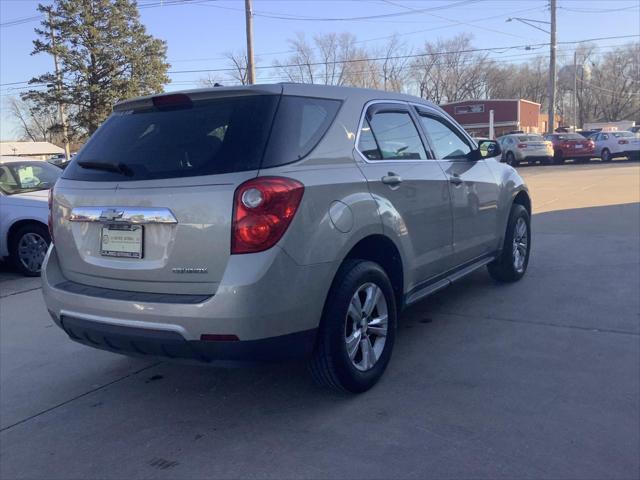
{"x": 538, "y": 379}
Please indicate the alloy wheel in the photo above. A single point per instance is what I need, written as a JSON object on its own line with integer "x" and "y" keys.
{"x": 32, "y": 249}
{"x": 520, "y": 244}
{"x": 366, "y": 326}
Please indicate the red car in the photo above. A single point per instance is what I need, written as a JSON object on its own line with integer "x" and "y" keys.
{"x": 571, "y": 145}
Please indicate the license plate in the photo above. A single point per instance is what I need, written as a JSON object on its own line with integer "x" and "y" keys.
{"x": 579, "y": 146}
{"x": 121, "y": 241}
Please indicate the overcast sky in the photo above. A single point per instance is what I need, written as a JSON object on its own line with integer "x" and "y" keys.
{"x": 200, "y": 31}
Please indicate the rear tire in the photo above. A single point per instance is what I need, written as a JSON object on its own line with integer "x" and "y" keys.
{"x": 28, "y": 247}
{"x": 512, "y": 263}
{"x": 605, "y": 155}
{"x": 348, "y": 356}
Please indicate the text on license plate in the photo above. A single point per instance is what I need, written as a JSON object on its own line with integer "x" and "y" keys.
{"x": 121, "y": 241}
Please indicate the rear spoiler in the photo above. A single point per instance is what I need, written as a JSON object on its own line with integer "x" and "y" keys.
{"x": 200, "y": 94}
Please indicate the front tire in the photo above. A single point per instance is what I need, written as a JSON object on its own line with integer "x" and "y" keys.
{"x": 512, "y": 263}
{"x": 605, "y": 155}
{"x": 511, "y": 160}
{"x": 28, "y": 247}
{"x": 357, "y": 330}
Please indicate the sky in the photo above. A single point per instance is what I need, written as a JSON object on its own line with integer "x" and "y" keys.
{"x": 199, "y": 32}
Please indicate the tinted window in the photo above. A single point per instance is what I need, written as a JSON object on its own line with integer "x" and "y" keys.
{"x": 367, "y": 143}
{"x": 22, "y": 177}
{"x": 530, "y": 138}
{"x": 447, "y": 143}
{"x": 395, "y": 137}
{"x": 300, "y": 124}
{"x": 622, "y": 134}
{"x": 209, "y": 137}
{"x": 569, "y": 136}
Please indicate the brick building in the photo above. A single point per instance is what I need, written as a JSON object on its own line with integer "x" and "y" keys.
{"x": 508, "y": 115}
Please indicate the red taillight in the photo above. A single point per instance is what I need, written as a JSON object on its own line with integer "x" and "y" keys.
{"x": 623, "y": 142}
{"x": 522, "y": 145}
{"x": 263, "y": 208}
{"x": 50, "y": 218}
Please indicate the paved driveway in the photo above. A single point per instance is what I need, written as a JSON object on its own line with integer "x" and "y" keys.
{"x": 540, "y": 379}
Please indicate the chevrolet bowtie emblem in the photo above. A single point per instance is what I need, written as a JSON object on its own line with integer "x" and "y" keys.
{"x": 111, "y": 214}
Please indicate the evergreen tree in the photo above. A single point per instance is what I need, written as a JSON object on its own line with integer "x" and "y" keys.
{"x": 104, "y": 55}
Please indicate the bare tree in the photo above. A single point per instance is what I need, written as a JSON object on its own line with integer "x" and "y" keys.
{"x": 395, "y": 65}
{"x": 35, "y": 123}
{"x": 448, "y": 70}
{"x": 332, "y": 59}
{"x": 615, "y": 84}
{"x": 238, "y": 62}
{"x": 210, "y": 81}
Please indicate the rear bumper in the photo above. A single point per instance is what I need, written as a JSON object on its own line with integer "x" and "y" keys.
{"x": 163, "y": 344}
{"x": 578, "y": 154}
{"x": 264, "y": 297}
{"x": 537, "y": 158}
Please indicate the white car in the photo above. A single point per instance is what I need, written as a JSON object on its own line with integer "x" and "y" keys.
{"x": 24, "y": 211}
{"x": 617, "y": 144}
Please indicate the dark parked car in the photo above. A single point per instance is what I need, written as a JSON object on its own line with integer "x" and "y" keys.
{"x": 570, "y": 145}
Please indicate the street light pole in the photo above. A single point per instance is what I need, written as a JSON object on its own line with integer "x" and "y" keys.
{"x": 551, "y": 92}
{"x": 251, "y": 68}
{"x": 552, "y": 69}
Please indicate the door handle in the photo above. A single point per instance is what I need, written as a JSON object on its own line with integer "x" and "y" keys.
{"x": 392, "y": 179}
{"x": 455, "y": 179}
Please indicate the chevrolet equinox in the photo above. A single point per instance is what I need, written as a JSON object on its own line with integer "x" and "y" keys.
{"x": 246, "y": 224}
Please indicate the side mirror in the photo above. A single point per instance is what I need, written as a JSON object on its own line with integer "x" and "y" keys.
{"x": 489, "y": 149}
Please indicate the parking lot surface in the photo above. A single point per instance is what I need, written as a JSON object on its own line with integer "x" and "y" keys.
{"x": 538, "y": 379}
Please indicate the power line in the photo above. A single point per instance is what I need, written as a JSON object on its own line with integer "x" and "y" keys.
{"x": 399, "y": 57}
{"x": 606, "y": 89}
{"x": 366, "y": 40}
{"x": 286, "y": 16}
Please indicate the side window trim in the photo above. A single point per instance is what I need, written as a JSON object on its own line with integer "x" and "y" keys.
{"x": 386, "y": 106}
{"x": 423, "y": 112}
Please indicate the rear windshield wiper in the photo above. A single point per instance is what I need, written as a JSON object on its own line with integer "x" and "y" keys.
{"x": 109, "y": 167}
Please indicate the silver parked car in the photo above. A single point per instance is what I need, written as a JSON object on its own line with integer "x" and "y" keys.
{"x": 275, "y": 222}
{"x": 525, "y": 147}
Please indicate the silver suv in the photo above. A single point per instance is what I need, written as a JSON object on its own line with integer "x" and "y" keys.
{"x": 275, "y": 222}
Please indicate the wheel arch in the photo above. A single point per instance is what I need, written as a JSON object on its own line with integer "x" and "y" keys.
{"x": 17, "y": 225}
{"x": 522, "y": 198}
{"x": 382, "y": 250}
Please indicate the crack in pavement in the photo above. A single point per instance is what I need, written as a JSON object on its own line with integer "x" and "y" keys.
{"x": 546, "y": 324}
{"x": 61, "y": 404}
{"x": 21, "y": 291}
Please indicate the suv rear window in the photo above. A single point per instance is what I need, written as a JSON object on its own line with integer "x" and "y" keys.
{"x": 206, "y": 138}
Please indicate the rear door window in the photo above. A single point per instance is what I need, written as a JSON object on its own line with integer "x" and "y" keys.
{"x": 206, "y": 137}
{"x": 391, "y": 136}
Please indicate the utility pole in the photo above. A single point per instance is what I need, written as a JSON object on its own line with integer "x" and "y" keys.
{"x": 61, "y": 116}
{"x": 552, "y": 68}
{"x": 251, "y": 67}
{"x": 575, "y": 90}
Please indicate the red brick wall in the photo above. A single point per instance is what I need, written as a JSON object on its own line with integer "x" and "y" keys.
{"x": 529, "y": 115}
{"x": 503, "y": 111}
